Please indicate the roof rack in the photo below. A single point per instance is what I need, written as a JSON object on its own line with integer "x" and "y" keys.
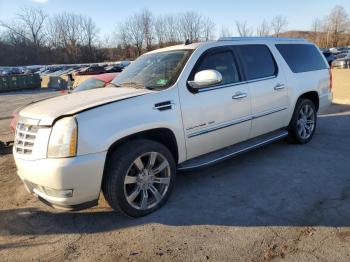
{"x": 261, "y": 38}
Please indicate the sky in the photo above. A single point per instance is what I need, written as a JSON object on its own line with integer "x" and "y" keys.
{"x": 107, "y": 14}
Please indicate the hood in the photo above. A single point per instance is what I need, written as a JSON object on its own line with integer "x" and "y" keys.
{"x": 48, "y": 110}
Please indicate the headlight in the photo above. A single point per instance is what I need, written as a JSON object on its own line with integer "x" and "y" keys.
{"x": 63, "y": 138}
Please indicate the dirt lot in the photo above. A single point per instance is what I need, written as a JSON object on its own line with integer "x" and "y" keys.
{"x": 341, "y": 86}
{"x": 280, "y": 202}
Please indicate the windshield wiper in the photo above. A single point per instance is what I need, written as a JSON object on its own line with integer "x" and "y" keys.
{"x": 112, "y": 84}
{"x": 133, "y": 84}
{"x": 136, "y": 85}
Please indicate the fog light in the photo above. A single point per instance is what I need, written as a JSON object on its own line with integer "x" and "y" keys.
{"x": 57, "y": 193}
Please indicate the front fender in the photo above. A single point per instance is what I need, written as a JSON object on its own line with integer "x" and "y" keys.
{"x": 101, "y": 127}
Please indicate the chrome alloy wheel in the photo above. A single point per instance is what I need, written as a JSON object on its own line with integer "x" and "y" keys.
{"x": 147, "y": 180}
{"x": 306, "y": 121}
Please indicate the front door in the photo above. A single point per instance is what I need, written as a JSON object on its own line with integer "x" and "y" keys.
{"x": 217, "y": 116}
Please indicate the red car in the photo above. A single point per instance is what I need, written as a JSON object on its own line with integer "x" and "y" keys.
{"x": 96, "y": 81}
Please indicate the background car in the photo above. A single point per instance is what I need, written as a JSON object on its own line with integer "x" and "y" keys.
{"x": 342, "y": 63}
{"x": 97, "y": 81}
{"x": 329, "y": 56}
{"x": 92, "y": 70}
{"x": 94, "y": 82}
{"x": 113, "y": 68}
{"x": 13, "y": 71}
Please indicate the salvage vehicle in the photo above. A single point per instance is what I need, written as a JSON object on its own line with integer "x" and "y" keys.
{"x": 91, "y": 70}
{"x": 173, "y": 109}
{"x": 96, "y": 81}
{"x": 342, "y": 63}
{"x": 330, "y": 57}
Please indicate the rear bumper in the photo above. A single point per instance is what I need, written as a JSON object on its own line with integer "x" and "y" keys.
{"x": 69, "y": 183}
{"x": 325, "y": 101}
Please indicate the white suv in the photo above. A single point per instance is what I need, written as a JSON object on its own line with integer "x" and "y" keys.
{"x": 173, "y": 109}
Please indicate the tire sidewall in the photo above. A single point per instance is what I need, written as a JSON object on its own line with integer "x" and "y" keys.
{"x": 119, "y": 167}
{"x": 294, "y": 123}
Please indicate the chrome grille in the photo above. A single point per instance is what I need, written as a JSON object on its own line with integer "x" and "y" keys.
{"x": 25, "y": 138}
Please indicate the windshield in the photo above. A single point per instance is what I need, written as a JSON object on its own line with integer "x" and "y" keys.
{"x": 154, "y": 71}
{"x": 89, "y": 84}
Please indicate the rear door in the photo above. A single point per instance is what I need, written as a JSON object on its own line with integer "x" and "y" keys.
{"x": 269, "y": 91}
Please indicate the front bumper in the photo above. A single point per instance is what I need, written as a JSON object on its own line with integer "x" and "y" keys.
{"x": 48, "y": 178}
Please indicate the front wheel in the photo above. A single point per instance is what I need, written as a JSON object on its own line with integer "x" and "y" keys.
{"x": 139, "y": 177}
{"x": 303, "y": 124}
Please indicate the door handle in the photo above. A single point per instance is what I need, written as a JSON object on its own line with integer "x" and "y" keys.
{"x": 279, "y": 86}
{"x": 239, "y": 95}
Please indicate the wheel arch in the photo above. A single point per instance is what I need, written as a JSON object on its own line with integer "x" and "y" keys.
{"x": 311, "y": 95}
{"x": 163, "y": 136}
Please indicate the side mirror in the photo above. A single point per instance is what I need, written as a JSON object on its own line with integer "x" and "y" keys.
{"x": 205, "y": 78}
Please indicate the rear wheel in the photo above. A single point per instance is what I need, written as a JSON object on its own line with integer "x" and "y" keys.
{"x": 303, "y": 124}
{"x": 139, "y": 177}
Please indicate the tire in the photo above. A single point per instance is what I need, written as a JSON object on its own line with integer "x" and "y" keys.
{"x": 133, "y": 185}
{"x": 303, "y": 124}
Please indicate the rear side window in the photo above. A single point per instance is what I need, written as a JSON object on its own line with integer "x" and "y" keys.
{"x": 302, "y": 58}
{"x": 258, "y": 61}
{"x": 222, "y": 61}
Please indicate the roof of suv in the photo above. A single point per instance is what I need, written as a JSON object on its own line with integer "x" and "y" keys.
{"x": 234, "y": 39}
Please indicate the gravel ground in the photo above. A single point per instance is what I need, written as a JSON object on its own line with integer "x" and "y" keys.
{"x": 281, "y": 202}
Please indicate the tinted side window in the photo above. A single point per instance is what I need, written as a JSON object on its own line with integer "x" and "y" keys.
{"x": 258, "y": 61}
{"x": 302, "y": 58}
{"x": 223, "y": 62}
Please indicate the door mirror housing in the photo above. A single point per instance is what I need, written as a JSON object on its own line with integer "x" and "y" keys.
{"x": 205, "y": 78}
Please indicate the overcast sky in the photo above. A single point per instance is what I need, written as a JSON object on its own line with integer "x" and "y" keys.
{"x": 107, "y": 14}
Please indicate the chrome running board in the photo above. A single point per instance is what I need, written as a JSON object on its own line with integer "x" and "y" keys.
{"x": 231, "y": 151}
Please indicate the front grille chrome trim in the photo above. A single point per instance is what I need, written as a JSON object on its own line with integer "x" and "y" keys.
{"x": 25, "y": 135}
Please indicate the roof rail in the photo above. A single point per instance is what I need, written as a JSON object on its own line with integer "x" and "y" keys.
{"x": 251, "y": 38}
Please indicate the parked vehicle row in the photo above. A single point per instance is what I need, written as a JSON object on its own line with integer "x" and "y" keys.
{"x": 342, "y": 63}
{"x": 173, "y": 109}
{"x": 338, "y": 57}
{"x": 58, "y": 70}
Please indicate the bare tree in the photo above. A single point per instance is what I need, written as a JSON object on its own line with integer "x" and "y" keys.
{"x": 326, "y": 29}
{"x": 190, "y": 26}
{"x": 278, "y": 24}
{"x": 263, "y": 29}
{"x": 316, "y": 25}
{"x": 225, "y": 32}
{"x": 147, "y": 23}
{"x": 89, "y": 32}
{"x": 243, "y": 29}
{"x": 67, "y": 29}
{"x": 160, "y": 29}
{"x": 208, "y": 29}
{"x": 132, "y": 31}
{"x": 73, "y": 33}
{"x": 338, "y": 23}
{"x": 172, "y": 30}
{"x": 316, "y": 28}
{"x": 89, "y": 37}
{"x": 29, "y": 25}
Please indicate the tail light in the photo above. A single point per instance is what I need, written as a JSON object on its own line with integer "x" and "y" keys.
{"x": 330, "y": 79}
